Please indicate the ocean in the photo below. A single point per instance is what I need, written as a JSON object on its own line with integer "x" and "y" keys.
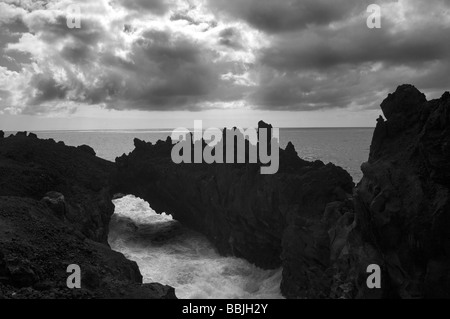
{"x": 185, "y": 259}
{"x": 346, "y": 147}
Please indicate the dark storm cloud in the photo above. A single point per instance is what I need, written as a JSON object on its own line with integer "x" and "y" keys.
{"x": 54, "y": 30}
{"x": 321, "y": 67}
{"x": 231, "y": 37}
{"x": 10, "y": 32}
{"x": 269, "y": 54}
{"x": 355, "y": 45}
{"x": 77, "y": 54}
{"x": 162, "y": 73}
{"x": 287, "y": 15}
{"x": 47, "y": 89}
{"x": 165, "y": 72}
{"x": 162, "y": 69}
{"x": 157, "y": 7}
{"x": 303, "y": 91}
{"x": 322, "y": 55}
{"x": 81, "y": 45}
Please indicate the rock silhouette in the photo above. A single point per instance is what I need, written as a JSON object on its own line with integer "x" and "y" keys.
{"x": 402, "y": 202}
{"x": 55, "y": 209}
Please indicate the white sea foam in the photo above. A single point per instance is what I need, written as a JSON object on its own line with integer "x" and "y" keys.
{"x": 170, "y": 254}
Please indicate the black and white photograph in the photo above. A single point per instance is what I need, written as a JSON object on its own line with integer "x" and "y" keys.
{"x": 248, "y": 152}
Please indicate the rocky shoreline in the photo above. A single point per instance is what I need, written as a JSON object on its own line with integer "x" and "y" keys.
{"x": 55, "y": 209}
{"x": 309, "y": 218}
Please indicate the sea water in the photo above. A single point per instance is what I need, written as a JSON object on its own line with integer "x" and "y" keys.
{"x": 185, "y": 259}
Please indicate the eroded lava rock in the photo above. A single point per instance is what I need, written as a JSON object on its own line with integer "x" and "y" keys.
{"x": 55, "y": 208}
{"x": 244, "y": 213}
{"x": 403, "y": 201}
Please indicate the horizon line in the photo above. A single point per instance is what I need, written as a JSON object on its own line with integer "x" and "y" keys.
{"x": 172, "y": 129}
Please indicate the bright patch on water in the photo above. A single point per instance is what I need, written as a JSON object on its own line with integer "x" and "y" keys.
{"x": 172, "y": 255}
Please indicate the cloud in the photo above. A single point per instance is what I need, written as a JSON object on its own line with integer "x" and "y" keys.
{"x": 157, "y": 7}
{"x": 11, "y": 27}
{"x": 232, "y": 38}
{"x": 350, "y": 65}
{"x": 10, "y": 13}
{"x": 159, "y": 74}
{"x": 118, "y": 64}
{"x": 171, "y": 55}
{"x": 356, "y": 45}
{"x": 46, "y": 89}
{"x": 288, "y": 15}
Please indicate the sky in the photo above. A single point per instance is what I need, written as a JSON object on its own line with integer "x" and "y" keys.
{"x": 136, "y": 64}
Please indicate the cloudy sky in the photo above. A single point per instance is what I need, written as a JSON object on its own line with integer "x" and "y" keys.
{"x": 165, "y": 63}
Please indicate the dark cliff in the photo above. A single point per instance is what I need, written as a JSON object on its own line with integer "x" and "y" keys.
{"x": 30, "y": 167}
{"x": 402, "y": 203}
{"x": 55, "y": 208}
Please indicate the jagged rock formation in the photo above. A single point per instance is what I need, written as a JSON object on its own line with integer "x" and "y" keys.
{"x": 399, "y": 218}
{"x": 302, "y": 217}
{"x": 55, "y": 208}
{"x": 402, "y": 204}
{"x": 245, "y": 214}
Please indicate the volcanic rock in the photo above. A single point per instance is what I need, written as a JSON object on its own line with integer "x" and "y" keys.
{"x": 55, "y": 208}
{"x": 87, "y": 149}
{"x": 31, "y": 167}
{"x": 403, "y": 201}
{"x": 243, "y": 213}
